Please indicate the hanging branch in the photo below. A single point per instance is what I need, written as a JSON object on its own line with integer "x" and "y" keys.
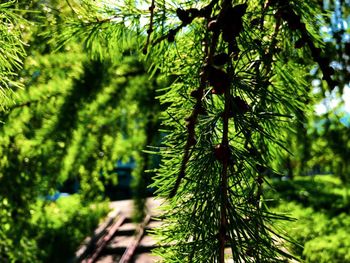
{"x": 150, "y": 30}
{"x": 208, "y": 74}
{"x": 191, "y": 122}
{"x": 230, "y": 22}
{"x": 198, "y": 108}
{"x": 295, "y": 23}
{"x": 225, "y": 184}
{"x": 224, "y": 177}
{"x": 186, "y": 17}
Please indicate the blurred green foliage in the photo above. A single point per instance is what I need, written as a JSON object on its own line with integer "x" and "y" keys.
{"x": 77, "y": 116}
{"x": 59, "y": 227}
{"x": 322, "y": 212}
{"x": 54, "y": 231}
{"x": 74, "y": 119}
{"x": 334, "y": 247}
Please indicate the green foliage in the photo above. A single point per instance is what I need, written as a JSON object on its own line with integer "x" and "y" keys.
{"x": 307, "y": 226}
{"x": 12, "y": 49}
{"x": 12, "y": 240}
{"x": 323, "y": 194}
{"x": 105, "y": 29}
{"x": 331, "y": 146}
{"x": 322, "y": 217}
{"x": 52, "y": 231}
{"x": 319, "y": 142}
{"x": 223, "y": 122}
{"x": 59, "y": 227}
{"x": 334, "y": 247}
{"x": 74, "y": 120}
{"x": 226, "y": 124}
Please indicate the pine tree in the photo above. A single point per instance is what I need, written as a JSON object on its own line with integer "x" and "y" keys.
{"x": 237, "y": 78}
{"x": 238, "y": 81}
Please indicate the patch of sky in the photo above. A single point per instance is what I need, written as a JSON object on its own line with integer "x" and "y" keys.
{"x": 332, "y": 100}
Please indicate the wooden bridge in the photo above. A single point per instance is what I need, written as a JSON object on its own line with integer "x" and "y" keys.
{"x": 118, "y": 239}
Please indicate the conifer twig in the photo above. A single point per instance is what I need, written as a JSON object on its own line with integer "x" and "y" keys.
{"x": 190, "y": 141}
{"x": 295, "y": 23}
{"x": 225, "y": 160}
{"x": 224, "y": 178}
{"x": 150, "y": 29}
{"x": 204, "y": 12}
{"x": 192, "y": 119}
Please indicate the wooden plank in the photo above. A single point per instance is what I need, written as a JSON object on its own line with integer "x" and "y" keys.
{"x": 101, "y": 243}
{"x": 90, "y": 242}
{"x": 129, "y": 253}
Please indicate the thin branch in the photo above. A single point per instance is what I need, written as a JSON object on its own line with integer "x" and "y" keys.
{"x": 204, "y": 13}
{"x": 150, "y": 30}
{"x": 192, "y": 119}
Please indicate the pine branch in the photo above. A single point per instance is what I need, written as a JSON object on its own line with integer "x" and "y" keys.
{"x": 186, "y": 17}
{"x": 295, "y": 23}
{"x": 224, "y": 177}
{"x": 198, "y": 108}
{"x": 225, "y": 148}
{"x": 150, "y": 30}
